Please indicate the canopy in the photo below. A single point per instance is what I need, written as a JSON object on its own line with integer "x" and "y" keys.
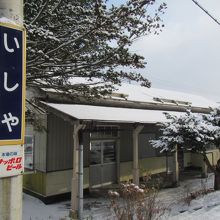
{"x": 111, "y": 114}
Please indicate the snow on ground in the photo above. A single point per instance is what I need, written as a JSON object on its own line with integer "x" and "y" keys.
{"x": 205, "y": 207}
{"x": 34, "y": 209}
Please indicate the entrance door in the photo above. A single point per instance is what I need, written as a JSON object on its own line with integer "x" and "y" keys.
{"x": 102, "y": 163}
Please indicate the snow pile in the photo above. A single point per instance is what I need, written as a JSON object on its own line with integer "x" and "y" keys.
{"x": 35, "y": 209}
{"x": 7, "y": 21}
{"x": 207, "y": 207}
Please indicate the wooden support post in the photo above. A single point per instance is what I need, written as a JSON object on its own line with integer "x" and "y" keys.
{"x": 136, "y": 132}
{"x": 175, "y": 168}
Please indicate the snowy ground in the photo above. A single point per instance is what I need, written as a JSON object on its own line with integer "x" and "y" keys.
{"x": 206, "y": 207}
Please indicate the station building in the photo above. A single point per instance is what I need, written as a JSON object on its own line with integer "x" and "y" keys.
{"x": 114, "y": 133}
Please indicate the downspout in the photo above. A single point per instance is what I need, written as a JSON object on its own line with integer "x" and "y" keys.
{"x": 80, "y": 183}
{"x": 77, "y": 179}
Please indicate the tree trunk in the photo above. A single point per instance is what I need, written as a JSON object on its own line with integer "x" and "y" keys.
{"x": 215, "y": 170}
{"x": 217, "y": 180}
{"x": 217, "y": 176}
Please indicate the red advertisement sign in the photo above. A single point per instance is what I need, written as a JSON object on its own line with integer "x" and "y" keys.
{"x": 11, "y": 160}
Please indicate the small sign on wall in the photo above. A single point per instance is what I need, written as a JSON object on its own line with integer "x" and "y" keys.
{"x": 11, "y": 160}
{"x": 29, "y": 153}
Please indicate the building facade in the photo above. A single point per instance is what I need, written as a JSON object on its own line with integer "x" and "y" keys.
{"x": 114, "y": 133}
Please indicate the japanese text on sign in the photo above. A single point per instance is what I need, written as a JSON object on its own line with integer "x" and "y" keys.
{"x": 11, "y": 160}
{"x": 12, "y": 163}
{"x": 11, "y": 85}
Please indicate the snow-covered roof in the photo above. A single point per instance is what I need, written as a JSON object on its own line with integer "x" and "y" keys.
{"x": 110, "y": 114}
{"x": 153, "y": 95}
{"x": 137, "y": 93}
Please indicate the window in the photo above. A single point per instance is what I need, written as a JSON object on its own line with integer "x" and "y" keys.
{"x": 109, "y": 152}
{"x": 95, "y": 153}
{"x": 102, "y": 151}
{"x": 104, "y": 132}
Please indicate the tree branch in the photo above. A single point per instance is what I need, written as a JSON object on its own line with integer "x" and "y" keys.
{"x": 38, "y": 15}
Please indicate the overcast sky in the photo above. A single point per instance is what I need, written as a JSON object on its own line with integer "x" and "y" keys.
{"x": 186, "y": 55}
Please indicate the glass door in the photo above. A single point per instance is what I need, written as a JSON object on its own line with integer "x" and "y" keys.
{"x": 109, "y": 152}
{"x": 102, "y": 162}
{"x": 95, "y": 153}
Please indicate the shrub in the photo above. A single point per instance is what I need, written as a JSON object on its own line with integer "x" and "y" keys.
{"x": 134, "y": 202}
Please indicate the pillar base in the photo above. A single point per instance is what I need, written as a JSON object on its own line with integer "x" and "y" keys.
{"x": 204, "y": 171}
{"x": 11, "y": 197}
{"x": 136, "y": 176}
{"x": 74, "y": 193}
{"x": 175, "y": 184}
{"x": 73, "y": 215}
{"x": 204, "y": 175}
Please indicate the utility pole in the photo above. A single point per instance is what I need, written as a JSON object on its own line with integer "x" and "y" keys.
{"x": 13, "y": 10}
{"x": 212, "y": 17}
{"x": 11, "y": 187}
